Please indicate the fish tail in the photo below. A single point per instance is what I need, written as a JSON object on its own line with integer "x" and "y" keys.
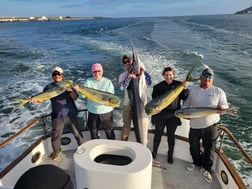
{"x": 232, "y": 111}
{"x": 22, "y": 103}
{"x": 189, "y": 75}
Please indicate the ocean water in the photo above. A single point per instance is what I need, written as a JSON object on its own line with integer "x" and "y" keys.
{"x": 30, "y": 50}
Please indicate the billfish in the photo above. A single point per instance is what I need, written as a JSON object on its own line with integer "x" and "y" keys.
{"x": 157, "y": 104}
{"x": 196, "y": 112}
{"x": 60, "y": 88}
{"x": 137, "y": 92}
{"x": 102, "y": 97}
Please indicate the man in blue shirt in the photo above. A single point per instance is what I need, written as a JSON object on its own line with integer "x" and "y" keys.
{"x": 64, "y": 112}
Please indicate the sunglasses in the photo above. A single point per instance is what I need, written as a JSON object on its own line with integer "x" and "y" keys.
{"x": 207, "y": 77}
{"x": 126, "y": 61}
{"x": 56, "y": 74}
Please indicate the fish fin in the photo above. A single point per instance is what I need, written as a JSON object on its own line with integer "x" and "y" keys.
{"x": 22, "y": 103}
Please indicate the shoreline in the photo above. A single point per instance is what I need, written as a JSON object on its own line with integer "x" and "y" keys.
{"x": 44, "y": 18}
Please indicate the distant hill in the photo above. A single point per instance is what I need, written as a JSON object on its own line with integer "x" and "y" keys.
{"x": 245, "y": 11}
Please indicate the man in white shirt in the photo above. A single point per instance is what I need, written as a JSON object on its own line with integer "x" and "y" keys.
{"x": 205, "y": 95}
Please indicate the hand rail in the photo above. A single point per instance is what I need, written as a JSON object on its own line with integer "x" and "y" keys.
{"x": 29, "y": 126}
{"x": 235, "y": 141}
{"x": 224, "y": 129}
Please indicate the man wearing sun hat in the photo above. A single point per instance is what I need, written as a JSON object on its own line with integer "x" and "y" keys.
{"x": 205, "y": 128}
{"x": 64, "y": 112}
{"x": 99, "y": 114}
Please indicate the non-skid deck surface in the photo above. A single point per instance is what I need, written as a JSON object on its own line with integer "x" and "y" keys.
{"x": 176, "y": 176}
{"x": 164, "y": 175}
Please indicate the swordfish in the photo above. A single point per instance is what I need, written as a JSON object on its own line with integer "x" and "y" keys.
{"x": 137, "y": 91}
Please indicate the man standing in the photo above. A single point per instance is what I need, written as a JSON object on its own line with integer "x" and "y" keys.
{"x": 205, "y": 95}
{"x": 125, "y": 79}
{"x": 64, "y": 112}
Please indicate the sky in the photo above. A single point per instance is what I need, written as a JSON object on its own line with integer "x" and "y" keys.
{"x": 119, "y": 8}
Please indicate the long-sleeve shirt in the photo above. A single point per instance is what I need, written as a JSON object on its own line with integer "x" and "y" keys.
{"x": 63, "y": 106}
{"x": 162, "y": 88}
{"x": 103, "y": 85}
{"x": 125, "y": 80}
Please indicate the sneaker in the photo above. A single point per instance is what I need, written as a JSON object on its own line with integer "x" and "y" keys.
{"x": 55, "y": 155}
{"x": 191, "y": 167}
{"x": 206, "y": 175}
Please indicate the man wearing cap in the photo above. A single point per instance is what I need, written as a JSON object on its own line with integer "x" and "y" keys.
{"x": 205, "y": 128}
{"x": 64, "y": 112}
{"x": 98, "y": 113}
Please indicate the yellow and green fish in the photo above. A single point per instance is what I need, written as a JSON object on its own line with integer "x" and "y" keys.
{"x": 102, "y": 97}
{"x": 196, "y": 112}
{"x": 53, "y": 92}
{"x": 159, "y": 103}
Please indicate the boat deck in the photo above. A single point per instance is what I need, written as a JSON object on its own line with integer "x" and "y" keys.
{"x": 164, "y": 175}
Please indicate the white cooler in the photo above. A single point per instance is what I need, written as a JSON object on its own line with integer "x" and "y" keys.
{"x": 94, "y": 171}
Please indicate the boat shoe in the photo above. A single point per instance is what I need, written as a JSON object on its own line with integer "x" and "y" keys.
{"x": 191, "y": 167}
{"x": 206, "y": 175}
{"x": 55, "y": 155}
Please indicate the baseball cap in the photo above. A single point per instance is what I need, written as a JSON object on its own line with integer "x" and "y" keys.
{"x": 125, "y": 57}
{"x": 58, "y": 69}
{"x": 207, "y": 71}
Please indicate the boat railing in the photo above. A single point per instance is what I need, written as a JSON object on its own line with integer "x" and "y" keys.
{"x": 23, "y": 130}
{"x": 224, "y": 131}
{"x": 45, "y": 124}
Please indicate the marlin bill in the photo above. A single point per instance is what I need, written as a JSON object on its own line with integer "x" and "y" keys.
{"x": 60, "y": 88}
{"x": 196, "y": 112}
{"x": 102, "y": 97}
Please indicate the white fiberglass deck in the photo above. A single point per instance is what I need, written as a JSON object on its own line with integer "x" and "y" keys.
{"x": 164, "y": 175}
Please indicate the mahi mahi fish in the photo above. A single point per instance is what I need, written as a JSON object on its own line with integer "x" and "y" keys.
{"x": 60, "y": 88}
{"x": 137, "y": 91}
{"x": 102, "y": 97}
{"x": 157, "y": 104}
{"x": 196, "y": 112}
